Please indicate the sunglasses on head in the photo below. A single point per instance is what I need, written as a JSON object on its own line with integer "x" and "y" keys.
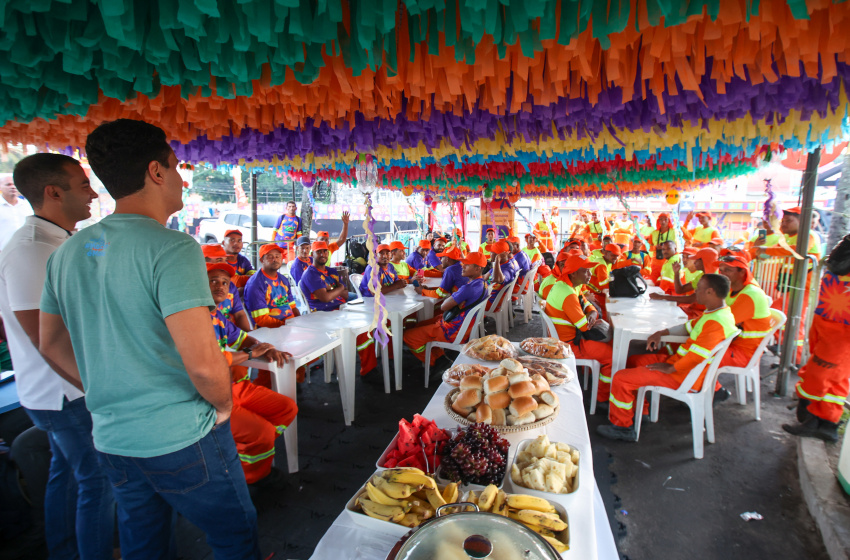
{"x": 732, "y": 259}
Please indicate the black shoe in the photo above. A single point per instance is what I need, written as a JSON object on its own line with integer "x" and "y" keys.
{"x": 773, "y": 348}
{"x": 803, "y": 413}
{"x": 814, "y": 427}
{"x": 721, "y": 395}
{"x": 616, "y": 432}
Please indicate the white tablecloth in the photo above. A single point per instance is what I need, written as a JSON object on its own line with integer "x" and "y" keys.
{"x": 590, "y": 533}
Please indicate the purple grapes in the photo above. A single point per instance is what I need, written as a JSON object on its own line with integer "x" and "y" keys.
{"x": 477, "y": 455}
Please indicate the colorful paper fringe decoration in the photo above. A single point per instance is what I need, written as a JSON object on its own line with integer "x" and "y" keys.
{"x": 305, "y": 86}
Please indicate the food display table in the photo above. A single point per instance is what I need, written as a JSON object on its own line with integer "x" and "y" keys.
{"x": 398, "y": 307}
{"x": 348, "y": 324}
{"x": 636, "y": 319}
{"x": 305, "y": 345}
{"x": 590, "y": 532}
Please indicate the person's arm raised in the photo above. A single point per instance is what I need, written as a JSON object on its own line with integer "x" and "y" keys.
{"x": 202, "y": 358}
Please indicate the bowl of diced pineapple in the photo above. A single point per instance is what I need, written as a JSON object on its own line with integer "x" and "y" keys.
{"x": 546, "y": 469}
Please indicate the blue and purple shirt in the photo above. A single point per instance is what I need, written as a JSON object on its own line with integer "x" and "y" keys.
{"x": 386, "y": 275}
{"x": 227, "y": 334}
{"x": 298, "y": 267}
{"x": 417, "y": 261}
{"x": 509, "y": 272}
{"x": 272, "y": 296}
{"x": 232, "y": 305}
{"x": 433, "y": 260}
{"x": 521, "y": 259}
{"x": 314, "y": 279}
{"x": 453, "y": 280}
{"x": 242, "y": 265}
{"x": 287, "y": 229}
{"x": 465, "y": 297}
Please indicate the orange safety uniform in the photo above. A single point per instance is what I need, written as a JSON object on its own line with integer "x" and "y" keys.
{"x": 751, "y": 309}
{"x": 641, "y": 259}
{"x": 545, "y": 231}
{"x": 705, "y": 333}
{"x": 704, "y": 235}
{"x": 824, "y": 378}
{"x": 599, "y": 280}
{"x": 568, "y": 312}
{"x": 666, "y": 276}
{"x": 623, "y": 232}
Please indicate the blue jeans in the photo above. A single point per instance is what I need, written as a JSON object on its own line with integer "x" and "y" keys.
{"x": 203, "y": 482}
{"x": 79, "y": 510}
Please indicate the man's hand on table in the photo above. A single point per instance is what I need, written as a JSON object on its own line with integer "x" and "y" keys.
{"x": 657, "y": 297}
{"x": 663, "y": 367}
{"x": 271, "y": 353}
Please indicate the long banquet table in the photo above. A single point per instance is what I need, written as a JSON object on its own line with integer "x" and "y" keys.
{"x": 590, "y": 532}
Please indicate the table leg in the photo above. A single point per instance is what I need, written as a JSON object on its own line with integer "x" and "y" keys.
{"x": 286, "y": 385}
{"x": 347, "y": 361}
{"x": 397, "y": 327}
{"x": 385, "y": 366}
{"x": 427, "y": 311}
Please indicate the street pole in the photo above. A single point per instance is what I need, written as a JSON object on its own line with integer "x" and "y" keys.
{"x": 797, "y": 294}
{"x": 840, "y": 224}
{"x": 254, "y": 248}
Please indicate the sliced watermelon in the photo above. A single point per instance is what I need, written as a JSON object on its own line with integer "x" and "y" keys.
{"x": 420, "y": 421}
{"x": 409, "y": 461}
{"x": 390, "y": 463}
{"x": 408, "y": 440}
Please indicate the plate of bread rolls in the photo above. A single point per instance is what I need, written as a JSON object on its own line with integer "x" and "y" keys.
{"x": 507, "y": 398}
{"x": 490, "y": 348}
{"x": 551, "y": 348}
{"x": 454, "y": 374}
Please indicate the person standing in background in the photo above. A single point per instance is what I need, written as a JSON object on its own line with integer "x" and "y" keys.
{"x": 13, "y": 210}
{"x": 287, "y": 230}
{"x": 129, "y": 301}
{"x": 78, "y": 503}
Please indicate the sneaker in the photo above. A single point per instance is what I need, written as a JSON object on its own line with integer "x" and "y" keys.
{"x": 814, "y": 427}
{"x": 616, "y": 432}
{"x": 721, "y": 395}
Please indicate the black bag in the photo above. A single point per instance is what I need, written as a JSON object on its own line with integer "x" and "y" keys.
{"x": 626, "y": 282}
{"x": 357, "y": 250}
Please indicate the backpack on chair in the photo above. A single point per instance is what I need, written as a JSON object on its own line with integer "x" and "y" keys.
{"x": 626, "y": 282}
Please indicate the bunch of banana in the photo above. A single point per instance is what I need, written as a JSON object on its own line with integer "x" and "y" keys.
{"x": 538, "y": 514}
{"x": 406, "y": 496}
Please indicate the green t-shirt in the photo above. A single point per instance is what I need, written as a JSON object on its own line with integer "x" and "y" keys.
{"x": 114, "y": 283}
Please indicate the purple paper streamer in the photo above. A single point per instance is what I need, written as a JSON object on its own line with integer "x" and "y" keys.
{"x": 380, "y": 318}
{"x": 771, "y": 209}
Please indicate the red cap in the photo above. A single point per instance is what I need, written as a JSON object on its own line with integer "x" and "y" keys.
{"x": 489, "y": 229}
{"x": 513, "y": 239}
{"x": 476, "y": 258}
{"x": 230, "y": 232}
{"x": 544, "y": 271}
{"x": 795, "y": 210}
{"x": 562, "y": 257}
{"x": 397, "y": 245}
{"x": 709, "y": 259}
{"x": 318, "y": 246}
{"x": 221, "y": 266}
{"x": 213, "y": 251}
{"x": 689, "y": 251}
{"x": 382, "y": 247}
{"x": 500, "y": 246}
{"x": 458, "y": 231}
{"x": 575, "y": 262}
{"x": 323, "y": 234}
{"x": 612, "y": 248}
{"x": 424, "y": 244}
{"x": 736, "y": 261}
{"x": 268, "y": 248}
{"x": 453, "y": 253}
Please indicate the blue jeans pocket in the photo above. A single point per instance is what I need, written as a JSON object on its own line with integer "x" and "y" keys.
{"x": 176, "y": 473}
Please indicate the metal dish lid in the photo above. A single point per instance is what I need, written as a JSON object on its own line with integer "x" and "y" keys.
{"x": 465, "y": 535}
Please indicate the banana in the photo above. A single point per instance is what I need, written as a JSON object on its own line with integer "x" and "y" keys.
{"x": 383, "y": 512}
{"x": 422, "y": 509}
{"x": 524, "y": 501}
{"x": 471, "y": 498}
{"x": 410, "y": 520}
{"x": 487, "y": 496}
{"x": 559, "y": 546}
{"x": 450, "y": 493}
{"x": 435, "y": 498}
{"x": 402, "y": 470}
{"x": 393, "y": 490}
{"x": 408, "y": 476}
{"x": 380, "y": 497}
{"x": 550, "y": 521}
{"x": 500, "y": 505}
{"x": 543, "y": 531}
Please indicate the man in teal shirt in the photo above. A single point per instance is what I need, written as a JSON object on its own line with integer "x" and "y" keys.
{"x": 125, "y": 309}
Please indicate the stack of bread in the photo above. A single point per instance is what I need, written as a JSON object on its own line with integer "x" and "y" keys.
{"x": 507, "y": 396}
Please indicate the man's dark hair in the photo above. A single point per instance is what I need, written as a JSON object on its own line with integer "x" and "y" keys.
{"x": 120, "y": 151}
{"x": 718, "y": 283}
{"x": 838, "y": 261}
{"x": 288, "y": 202}
{"x": 35, "y": 172}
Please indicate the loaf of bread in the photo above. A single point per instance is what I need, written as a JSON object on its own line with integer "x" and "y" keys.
{"x": 469, "y": 398}
{"x": 496, "y": 384}
{"x": 483, "y": 414}
{"x": 522, "y": 389}
{"x": 498, "y": 400}
{"x": 471, "y": 382}
{"x": 522, "y": 406}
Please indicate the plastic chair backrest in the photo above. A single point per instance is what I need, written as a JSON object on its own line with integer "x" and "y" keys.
{"x": 528, "y": 280}
{"x": 550, "y": 326}
{"x": 500, "y": 297}
{"x": 300, "y": 300}
{"x": 694, "y": 374}
{"x": 355, "y": 283}
{"x": 469, "y": 320}
{"x": 777, "y": 319}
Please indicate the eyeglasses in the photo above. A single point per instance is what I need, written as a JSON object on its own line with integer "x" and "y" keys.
{"x": 733, "y": 259}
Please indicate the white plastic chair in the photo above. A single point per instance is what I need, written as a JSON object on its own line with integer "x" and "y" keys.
{"x": 592, "y": 367}
{"x": 700, "y": 403}
{"x": 501, "y": 307}
{"x": 749, "y": 374}
{"x": 471, "y": 323}
{"x": 355, "y": 283}
{"x": 526, "y": 294}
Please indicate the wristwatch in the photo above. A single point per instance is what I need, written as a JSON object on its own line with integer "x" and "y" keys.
{"x": 250, "y": 351}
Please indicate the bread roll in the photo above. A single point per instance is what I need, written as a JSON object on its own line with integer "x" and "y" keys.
{"x": 499, "y": 417}
{"x": 471, "y": 382}
{"x": 498, "y": 400}
{"x": 518, "y": 377}
{"x": 469, "y": 398}
{"x": 522, "y": 406}
{"x": 511, "y": 365}
{"x": 524, "y": 419}
{"x": 522, "y": 389}
{"x": 483, "y": 414}
{"x": 462, "y": 410}
{"x": 496, "y": 384}
{"x": 549, "y": 398}
{"x": 543, "y": 411}
{"x": 471, "y": 417}
{"x": 540, "y": 383}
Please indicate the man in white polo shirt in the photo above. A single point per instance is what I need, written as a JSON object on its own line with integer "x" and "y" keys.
{"x": 58, "y": 189}
{"x": 13, "y": 210}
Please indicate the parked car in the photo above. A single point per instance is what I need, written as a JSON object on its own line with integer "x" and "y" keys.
{"x": 212, "y": 230}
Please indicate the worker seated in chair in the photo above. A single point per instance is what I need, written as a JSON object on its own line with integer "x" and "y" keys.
{"x": 417, "y": 259}
{"x": 232, "y": 245}
{"x": 501, "y": 273}
{"x": 452, "y": 277}
{"x": 444, "y": 328}
{"x": 268, "y": 295}
{"x": 259, "y": 414}
{"x": 704, "y": 261}
{"x": 666, "y": 370}
{"x": 232, "y": 307}
{"x": 433, "y": 265}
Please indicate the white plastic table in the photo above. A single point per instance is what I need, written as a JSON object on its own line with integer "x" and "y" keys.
{"x": 432, "y": 283}
{"x": 348, "y": 324}
{"x": 590, "y": 532}
{"x": 428, "y": 303}
{"x": 398, "y": 307}
{"x": 636, "y": 319}
{"x": 304, "y": 345}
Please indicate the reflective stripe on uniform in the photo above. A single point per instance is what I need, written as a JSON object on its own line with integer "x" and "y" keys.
{"x": 835, "y": 399}
{"x": 805, "y": 395}
{"x": 280, "y": 429}
{"x": 260, "y": 312}
{"x": 605, "y": 379}
{"x": 699, "y": 350}
{"x": 366, "y": 344}
{"x": 251, "y": 459}
{"x": 754, "y": 334}
{"x": 621, "y": 404}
